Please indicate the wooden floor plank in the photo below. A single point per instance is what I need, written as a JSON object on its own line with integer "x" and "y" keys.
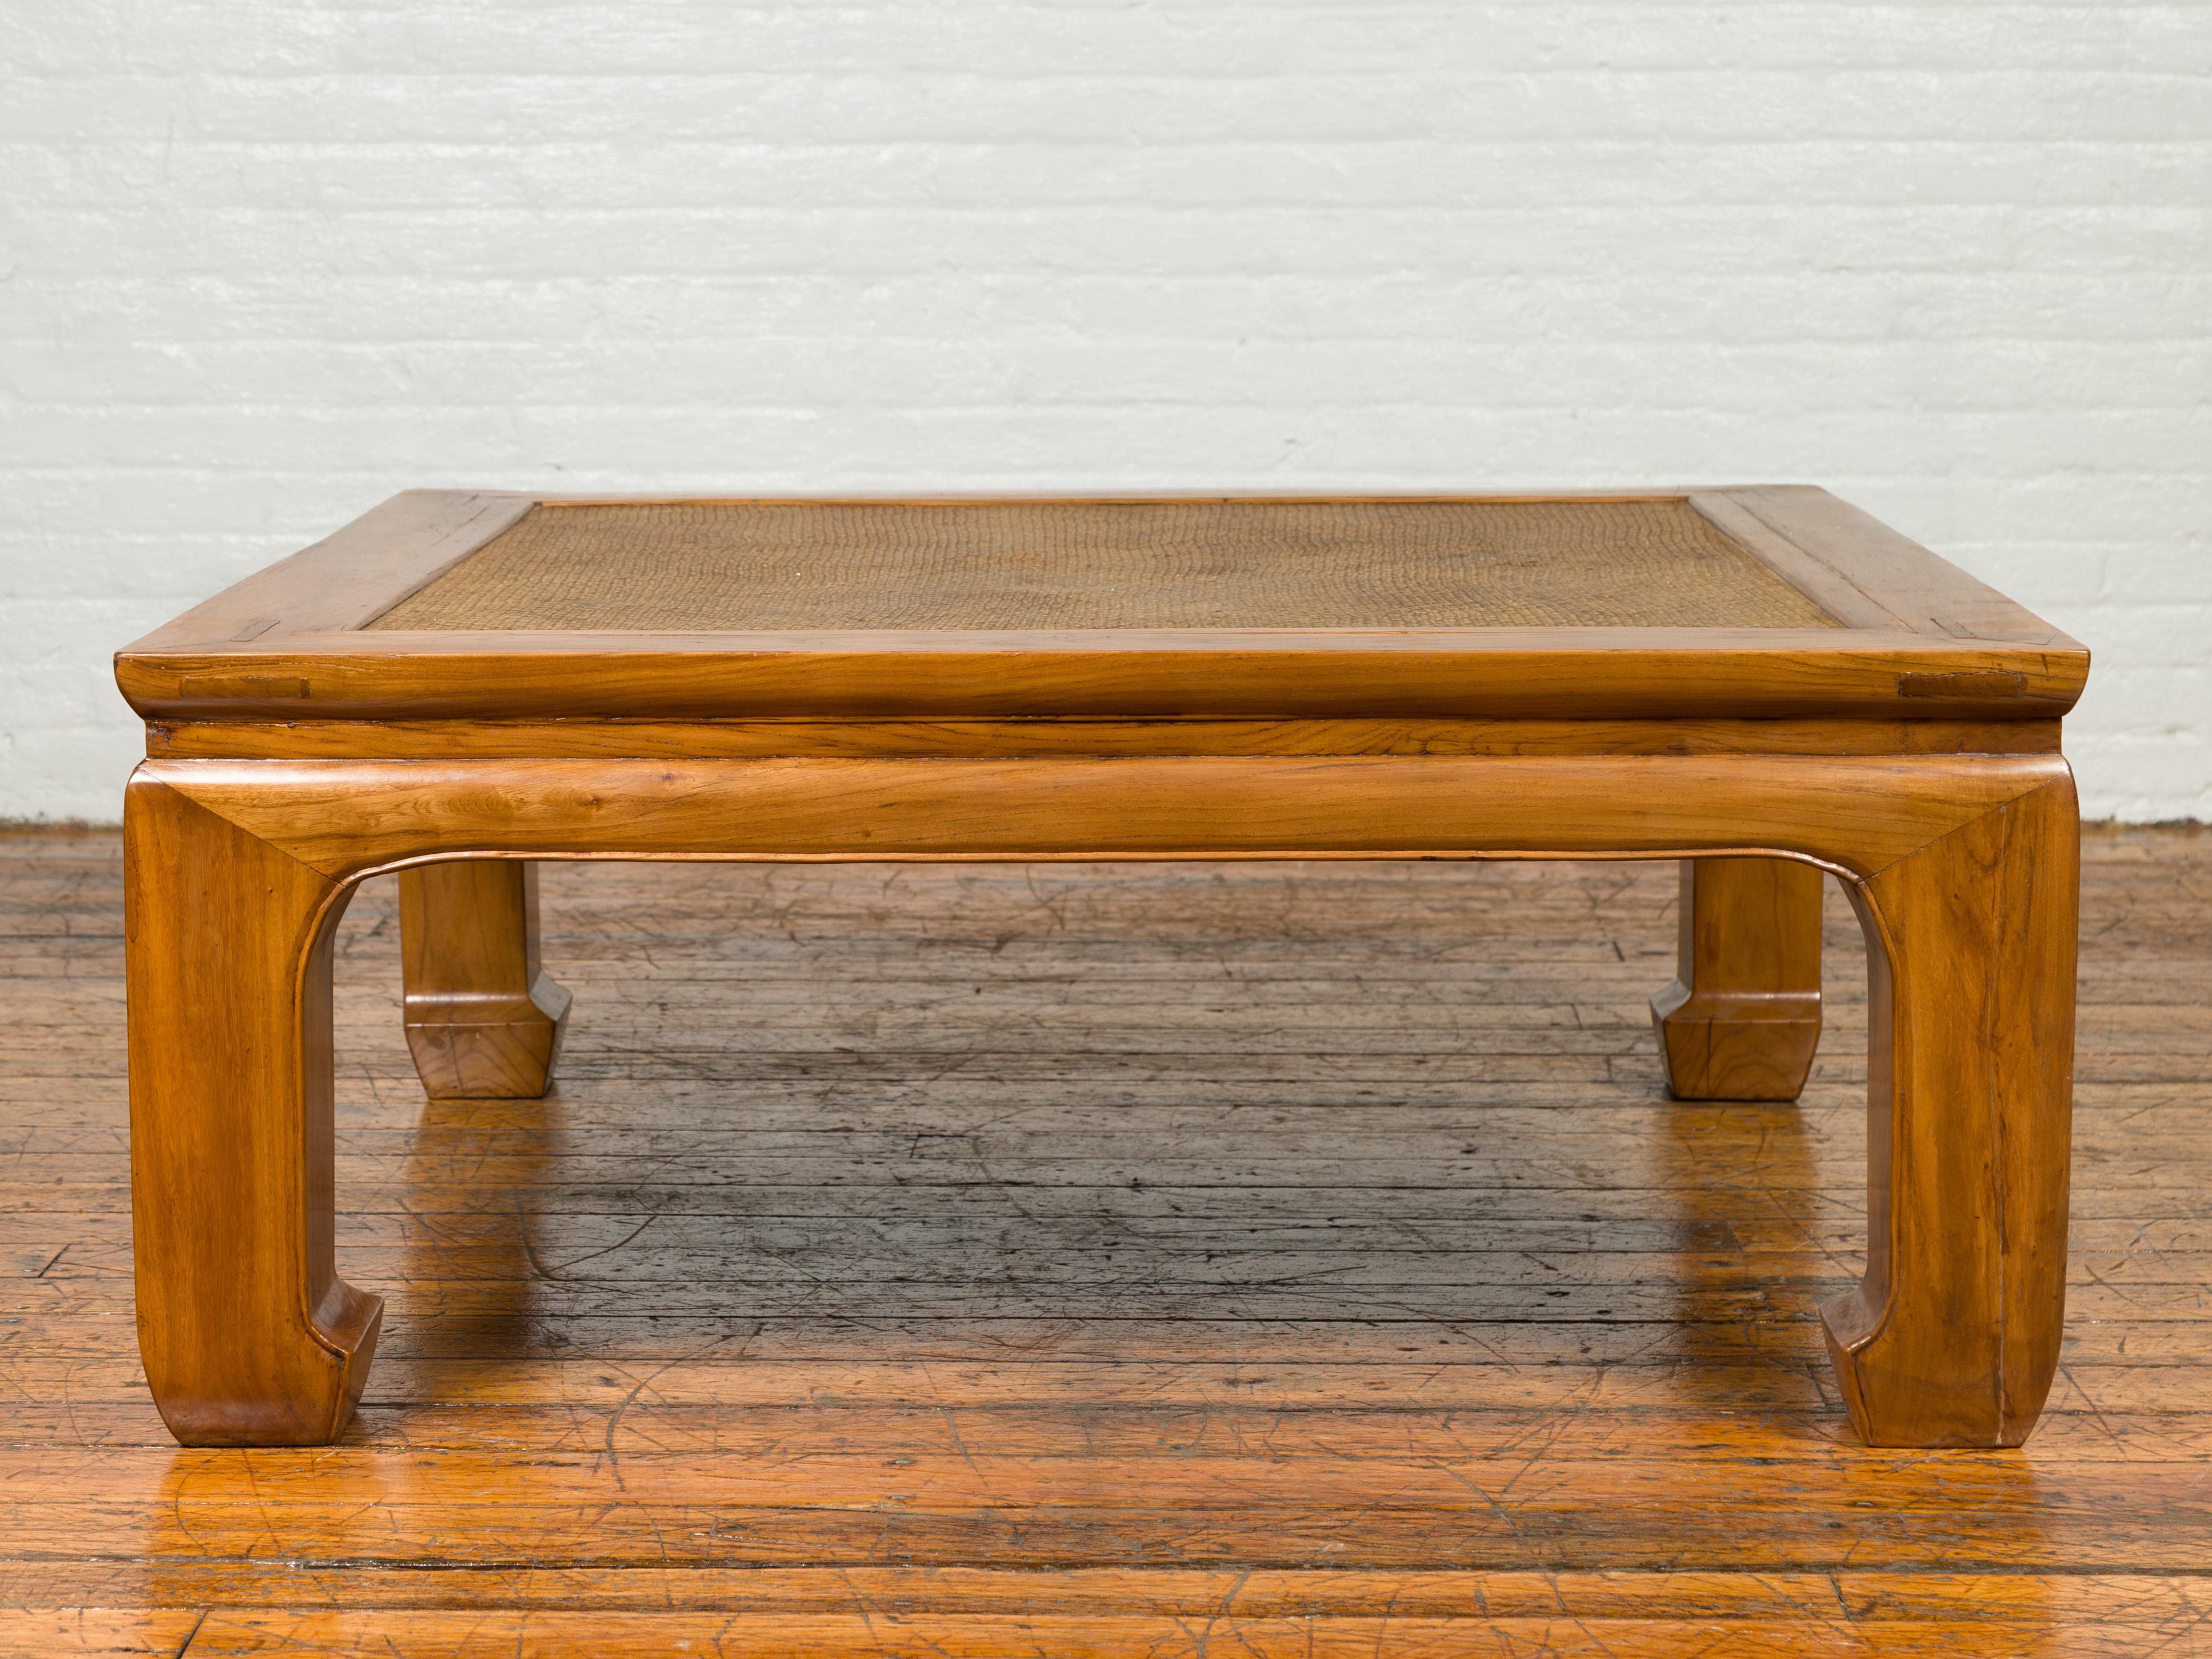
{"x": 1107, "y": 1258}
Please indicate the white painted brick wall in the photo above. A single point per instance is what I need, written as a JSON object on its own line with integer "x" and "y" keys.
{"x": 263, "y": 262}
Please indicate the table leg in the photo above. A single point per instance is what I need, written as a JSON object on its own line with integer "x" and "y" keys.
{"x": 1952, "y": 1338}
{"x": 1742, "y": 1018}
{"x": 248, "y": 1336}
{"x": 483, "y": 1019}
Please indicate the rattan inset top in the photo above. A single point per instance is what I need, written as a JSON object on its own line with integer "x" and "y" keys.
{"x": 741, "y": 567}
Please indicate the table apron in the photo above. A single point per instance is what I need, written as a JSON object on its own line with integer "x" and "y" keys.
{"x": 1855, "y": 814}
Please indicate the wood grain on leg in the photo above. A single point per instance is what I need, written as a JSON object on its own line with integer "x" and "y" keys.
{"x": 247, "y": 1334}
{"x": 1742, "y": 1018}
{"x": 1952, "y": 1338}
{"x": 483, "y": 1020}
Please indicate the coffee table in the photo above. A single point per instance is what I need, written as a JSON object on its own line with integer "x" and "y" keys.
{"x": 1763, "y": 683}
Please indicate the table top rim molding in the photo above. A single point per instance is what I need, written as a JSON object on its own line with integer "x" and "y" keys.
{"x": 1916, "y": 638}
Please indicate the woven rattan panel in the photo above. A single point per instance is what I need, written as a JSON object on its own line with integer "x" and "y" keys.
{"x": 702, "y": 566}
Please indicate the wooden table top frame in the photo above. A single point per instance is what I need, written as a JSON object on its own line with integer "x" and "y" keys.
{"x": 1911, "y": 750}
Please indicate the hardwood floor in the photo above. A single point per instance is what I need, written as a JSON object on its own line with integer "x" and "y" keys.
{"x": 1246, "y": 1260}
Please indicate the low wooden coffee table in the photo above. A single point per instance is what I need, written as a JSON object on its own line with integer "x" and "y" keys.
{"x": 1764, "y": 683}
